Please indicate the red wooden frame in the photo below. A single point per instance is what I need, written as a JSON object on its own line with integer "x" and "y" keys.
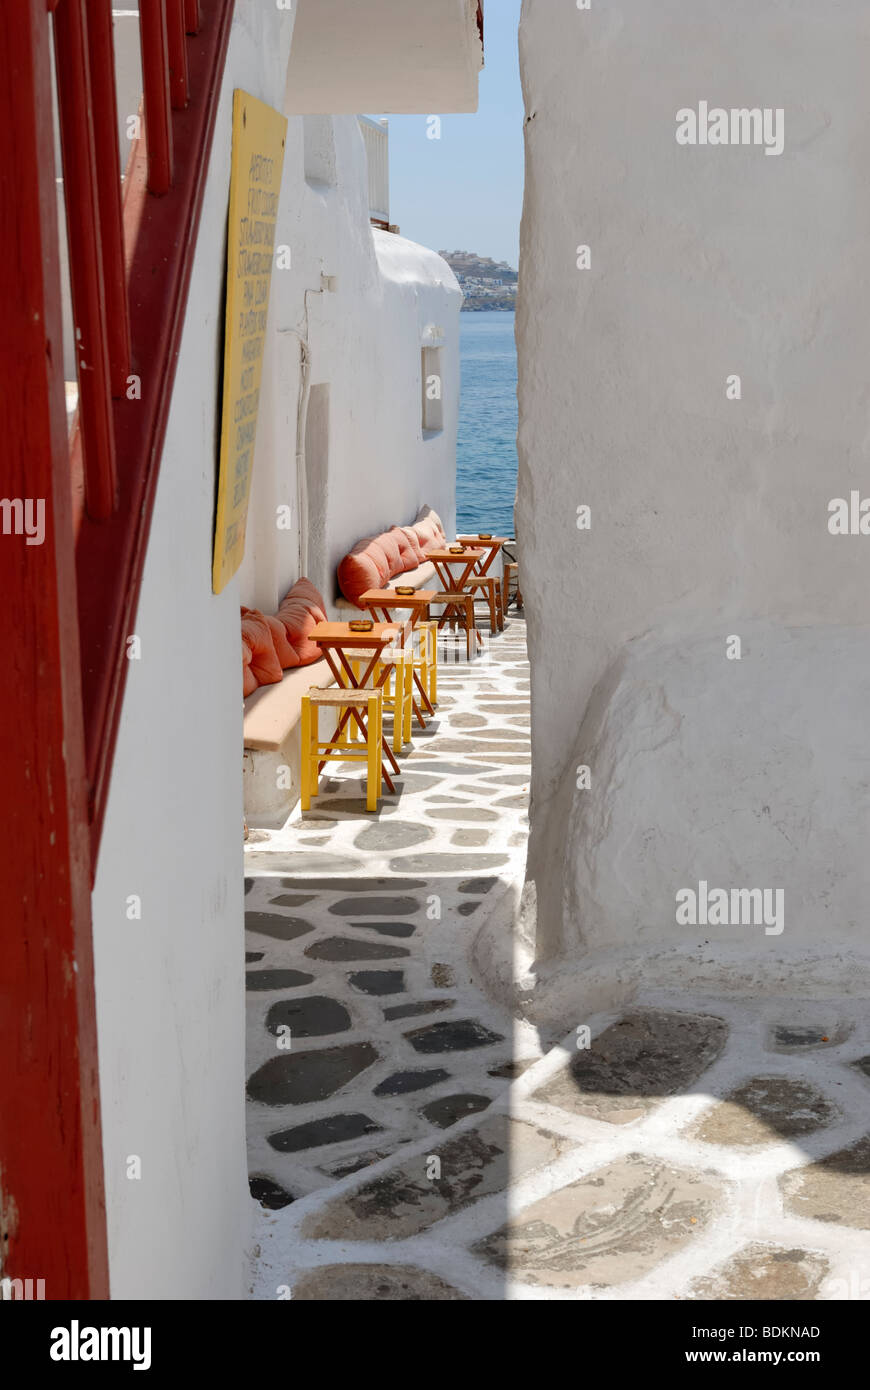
{"x": 160, "y": 237}
{"x": 52, "y": 1216}
{"x": 85, "y": 256}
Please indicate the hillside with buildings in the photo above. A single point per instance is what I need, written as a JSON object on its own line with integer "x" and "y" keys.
{"x": 486, "y": 284}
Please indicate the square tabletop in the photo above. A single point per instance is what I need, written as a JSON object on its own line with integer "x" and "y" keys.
{"x": 388, "y": 598}
{"x": 342, "y": 635}
{"x": 454, "y": 555}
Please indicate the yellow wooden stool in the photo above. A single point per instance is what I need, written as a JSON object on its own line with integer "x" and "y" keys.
{"x": 364, "y": 709}
{"x": 426, "y": 658}
{"x": 396, "y": 695}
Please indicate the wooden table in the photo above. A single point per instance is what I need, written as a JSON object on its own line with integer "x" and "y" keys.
{"x": 481, "y": 570}
{"x": 442, "y": 560}
{"x": 493, "y": 546}
{"x": 335, "y": 639}
{"x": 383, "y": 600}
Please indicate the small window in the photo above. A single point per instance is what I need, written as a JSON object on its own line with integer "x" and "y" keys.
{"x": 433, "y": 391}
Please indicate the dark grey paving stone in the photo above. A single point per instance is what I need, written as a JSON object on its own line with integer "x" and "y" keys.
{"x": 635, "y": 1063}
{"x": 415, "y": 782}
{"x": 509, "y": 1071}
{"x": 345, "y": 948}
{"x": 314, "y": 1016}
{"x": 423, "y": 1006}
{"x": 443, "y": 976}
{"x": 466, "y": 813}
{"x": 375, "y": 906}
{"x": 863, "y": 1066}
{"x": 477, "y": 745}
{"x": 333, "y": 1129}
{"x": 466, "y": 909}
{"x": 301, "y": 1077}
{"x": 269, "y": 1194}
{"x": 450, "y": 769}
{"x": 386, "y": 928}
{"x": 450, "y": 800}
{"x": 455, "y": 1035}
{"x": 467, "y": 721}
{"x": 513, "y": 803}
{"x": 251, "y": 956}
{"x": 448, "y": 1109}
{"x": 401, "y": 1082}
{"x": 343, "y": 1167}
{"x": 374, "y": 1284}
{"x": 765, "y": 1109}
{"x": 249, "y": 883}
{"x": 314, "y": 840}
{"x": 258, "y": 980}
{"x": 788, "y": 1038}
{"x": 351, "y": 805}
{"x": 449, "y": 863}
{"x": 292, "y": 899}
{"x": 273, "y": 924}
{"x": 267, "y": 863}
{"x": 378, "y": 982}
{"x": 477, "y": 885}
{"x": 470, "y": 839}
{"x": 393, "y": 835}
{"x": 355, "y": 885}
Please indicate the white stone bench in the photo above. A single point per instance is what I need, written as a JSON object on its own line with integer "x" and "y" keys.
{"x": 272, "y": 748}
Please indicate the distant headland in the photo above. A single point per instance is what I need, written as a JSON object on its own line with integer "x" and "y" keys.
{"x": 486, "y": 284}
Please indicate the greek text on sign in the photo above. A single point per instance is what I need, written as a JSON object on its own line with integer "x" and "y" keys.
{"x": 259, "y": 135}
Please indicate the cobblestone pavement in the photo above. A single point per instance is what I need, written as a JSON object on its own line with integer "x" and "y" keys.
{"x": 416, "y": 1142}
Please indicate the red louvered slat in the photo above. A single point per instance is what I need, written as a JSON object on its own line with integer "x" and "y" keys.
{"x": 191, "y": 16}
{"x": 105, "y": 121}
{"x": 177, "y": 53}
{"x": 85, "y": 258}
{"x": 155, "y": 77}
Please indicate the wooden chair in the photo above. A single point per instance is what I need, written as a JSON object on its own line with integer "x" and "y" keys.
{"x": 365, "y": 709}
{"x": 459, "y": 612}
{"x": 492, "y": 592}
{"x": 511, "y": 571}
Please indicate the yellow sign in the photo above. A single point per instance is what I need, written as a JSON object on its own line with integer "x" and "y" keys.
{"x": 259, "y": 134}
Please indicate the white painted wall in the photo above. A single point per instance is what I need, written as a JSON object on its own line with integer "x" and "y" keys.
{"x": 170, "y": 988}
{"x": 385, "y": 55}
{"x": 709, "y": 516}
{"x": 365, "y": 341}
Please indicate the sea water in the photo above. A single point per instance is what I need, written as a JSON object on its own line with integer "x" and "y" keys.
{"x": 486, "y": 479}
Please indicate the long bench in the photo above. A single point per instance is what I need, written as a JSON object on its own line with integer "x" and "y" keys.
{"x": 272, "y": 746}
{"x": 272, "y": 717}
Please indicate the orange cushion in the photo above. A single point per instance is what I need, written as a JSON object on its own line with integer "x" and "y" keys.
{"x": 389, "y": 544}
{"x": 429, "y": 536}
{"x": 407, "y": 553}
{"x": 249, "y": 680}
{"x": 301, "y": 609}
{"x": 414, "y": 545}
{"x": 365, "y": 567}
{"x": 264, "y": 665}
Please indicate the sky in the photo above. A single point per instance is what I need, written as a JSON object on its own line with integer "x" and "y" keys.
{"x": 464, "y": 192}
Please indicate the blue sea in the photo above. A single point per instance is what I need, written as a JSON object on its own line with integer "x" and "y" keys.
{"x": 486, "y": 480}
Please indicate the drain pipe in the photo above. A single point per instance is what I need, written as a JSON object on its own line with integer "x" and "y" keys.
{"x": 328, "y": 283}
